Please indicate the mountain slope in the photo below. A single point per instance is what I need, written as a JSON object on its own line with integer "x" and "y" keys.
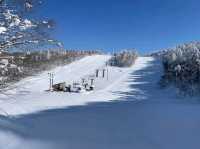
{"x": 29, "y": 95}
{"x": 144, "y": 116}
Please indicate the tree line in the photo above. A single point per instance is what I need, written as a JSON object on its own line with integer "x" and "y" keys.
{"x": 182, "y": 67}
{"x": 125, "y": 58}
{"x": 17, "y": 65}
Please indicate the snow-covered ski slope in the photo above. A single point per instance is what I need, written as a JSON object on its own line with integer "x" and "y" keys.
{"x": 29, "y": 95}
{"x": 161, "y": 121}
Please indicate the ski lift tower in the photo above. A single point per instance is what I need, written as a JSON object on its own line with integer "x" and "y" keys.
{"x": 51, "y": 81}
{"x": 107, "y": 69}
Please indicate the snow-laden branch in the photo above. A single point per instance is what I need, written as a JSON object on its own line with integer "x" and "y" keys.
{"x": 16, "y": 28}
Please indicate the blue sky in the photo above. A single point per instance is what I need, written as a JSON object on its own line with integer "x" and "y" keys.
{"x": 146, "y": 25}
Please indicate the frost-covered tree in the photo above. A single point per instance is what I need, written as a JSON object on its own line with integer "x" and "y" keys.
{"x": 126, "y": 58}
{"x": 182, "y": 67}
{"x": 18, "y": 27}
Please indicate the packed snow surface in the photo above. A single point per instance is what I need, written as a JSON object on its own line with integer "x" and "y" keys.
{"x": 30, "y": 95}
{"x": 139, "y": 113}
